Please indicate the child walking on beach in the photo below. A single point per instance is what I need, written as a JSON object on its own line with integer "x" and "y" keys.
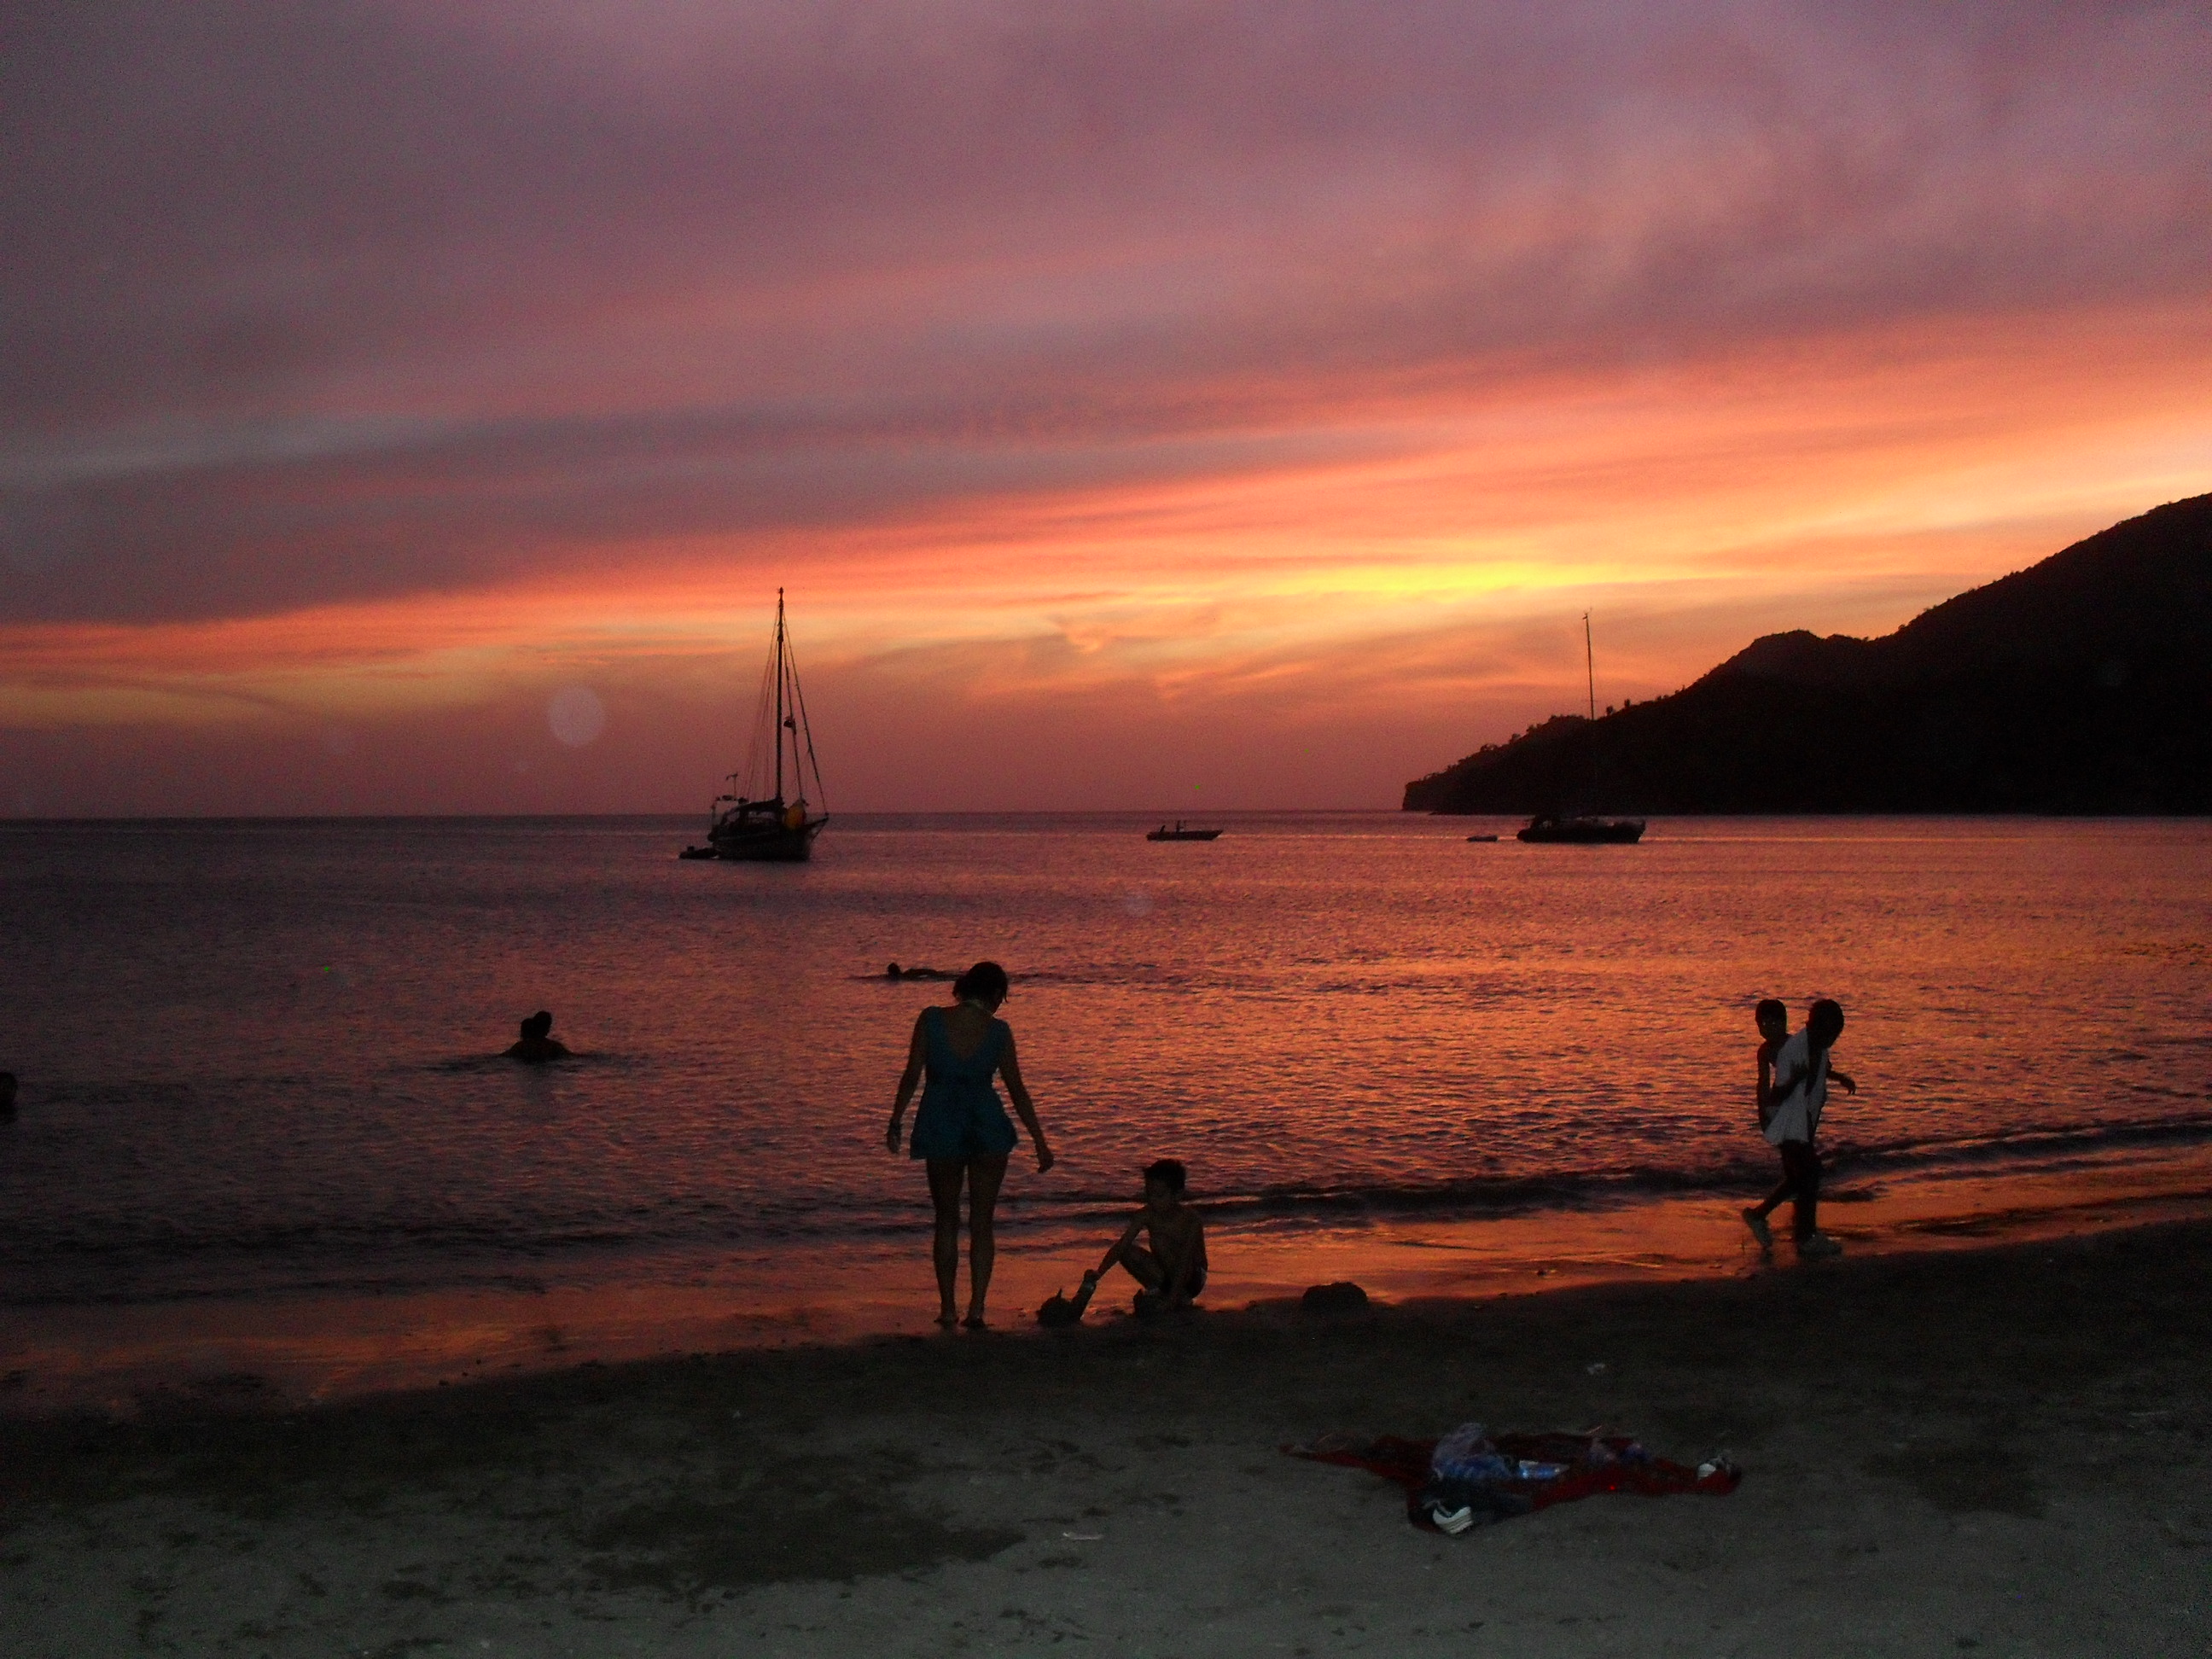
{"x": 1172, "y": 1272}
{"x": 1790, "y": 1105}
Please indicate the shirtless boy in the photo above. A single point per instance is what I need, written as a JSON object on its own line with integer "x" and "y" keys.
{"x": 1173, "y": 1271}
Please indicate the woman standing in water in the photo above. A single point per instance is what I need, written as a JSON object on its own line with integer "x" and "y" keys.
{"x": 962, "y": 1133}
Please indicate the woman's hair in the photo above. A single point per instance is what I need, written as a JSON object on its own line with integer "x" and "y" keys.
{"x": 985, "y": 982}
{"x": 1824, "y": 1023}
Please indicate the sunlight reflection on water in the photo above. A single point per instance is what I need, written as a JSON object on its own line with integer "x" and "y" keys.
{"x": 256, "y": 1055}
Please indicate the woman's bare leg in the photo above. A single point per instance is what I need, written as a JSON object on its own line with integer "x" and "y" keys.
{"x": 944, "y": 1178}
{"x": 984, "y": 1175}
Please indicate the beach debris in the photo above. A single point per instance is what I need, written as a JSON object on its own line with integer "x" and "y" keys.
{"x": 1057, "y": 1312}
{"x": 1061, "y": 1310}
{"x": 1341, "y": 1297}
{"x": 1083, "y": 1537}
{"x": 1595, "y": 1367}
{"x": 1471, "y": 1478}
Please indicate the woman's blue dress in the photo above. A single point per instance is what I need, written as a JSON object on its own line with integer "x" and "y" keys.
{"x": 960, "y": 1116}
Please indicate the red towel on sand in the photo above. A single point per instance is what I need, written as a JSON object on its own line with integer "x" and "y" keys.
{"x": 1596, "y": 1462}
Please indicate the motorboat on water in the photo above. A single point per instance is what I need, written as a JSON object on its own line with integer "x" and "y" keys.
{"x": 758, "y": 823}
{"x": 1180, "y": 833}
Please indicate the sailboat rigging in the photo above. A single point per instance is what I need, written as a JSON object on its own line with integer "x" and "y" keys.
{"x": 1589, "y": 664}
{"x": 765, "y": 827}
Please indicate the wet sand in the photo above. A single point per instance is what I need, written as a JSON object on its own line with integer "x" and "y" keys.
{"x": 2003, "y": 1450}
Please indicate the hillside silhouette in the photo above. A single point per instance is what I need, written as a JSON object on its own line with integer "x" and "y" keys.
{"x": 2082, "y": 684}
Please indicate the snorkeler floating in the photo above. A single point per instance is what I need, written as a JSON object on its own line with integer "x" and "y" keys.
{"x": 538, "y": 1044}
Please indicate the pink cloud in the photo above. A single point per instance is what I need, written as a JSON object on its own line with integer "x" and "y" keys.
{"x": 1122, "y": 359}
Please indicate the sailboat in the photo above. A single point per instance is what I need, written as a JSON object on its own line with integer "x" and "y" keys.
{"x": 1575, "y": 831}
{"x": 765, "y": 827}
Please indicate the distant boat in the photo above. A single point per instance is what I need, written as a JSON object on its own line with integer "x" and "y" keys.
{"x": 1482, "y": 838}
{"x": 1179, "y": 833}
{"x": 767, "y": 827}
{"x": 1586, "y": 832}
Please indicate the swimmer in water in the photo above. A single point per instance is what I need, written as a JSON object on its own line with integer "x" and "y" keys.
{"x": 538, "y": 1044}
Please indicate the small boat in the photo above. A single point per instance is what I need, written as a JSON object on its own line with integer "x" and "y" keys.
{"x": 1180, "y": 832}
{"x": 759, "y": 825}
{"x": 1583, "y": 832}
{"x": 1482, "y": 838}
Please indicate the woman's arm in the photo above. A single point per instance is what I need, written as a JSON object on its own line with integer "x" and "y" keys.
{"x": 916, "y": 1052}
{"x": 1011, "y": 1069}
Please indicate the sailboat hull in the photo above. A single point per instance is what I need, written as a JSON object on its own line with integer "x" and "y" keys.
{"x": 765, "y": 843}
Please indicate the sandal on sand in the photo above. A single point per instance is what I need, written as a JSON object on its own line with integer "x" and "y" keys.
{"x": 1759, "y": 1229}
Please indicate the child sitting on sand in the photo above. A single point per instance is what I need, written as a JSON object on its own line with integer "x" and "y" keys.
{"x": 1173, "y": 1272}
{"x": 1790, "y": 1115}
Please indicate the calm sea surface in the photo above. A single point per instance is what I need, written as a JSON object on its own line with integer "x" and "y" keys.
{"x": 256, "y": 1055}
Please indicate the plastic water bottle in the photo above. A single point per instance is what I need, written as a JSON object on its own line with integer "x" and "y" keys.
{"x": 1466, "y": 1454}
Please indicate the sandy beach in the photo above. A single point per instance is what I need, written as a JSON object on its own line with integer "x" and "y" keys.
{"x": 2003, "y": 1449}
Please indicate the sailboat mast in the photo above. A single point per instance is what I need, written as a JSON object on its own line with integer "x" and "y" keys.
{"x": 779, "y": 696}
{"x": 1589, "y": 664}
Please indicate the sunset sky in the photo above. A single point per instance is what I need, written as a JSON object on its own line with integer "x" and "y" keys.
{"x": 1150, "y": 406}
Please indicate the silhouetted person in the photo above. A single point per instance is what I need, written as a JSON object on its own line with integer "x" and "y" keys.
{"x": 961, "y": 1131}
{"x": 1804, "y": 1068}
{"x": 1170, "y": 1274}
{"x": 1772, "y": 1019}
{"x": 537, "y": 1043}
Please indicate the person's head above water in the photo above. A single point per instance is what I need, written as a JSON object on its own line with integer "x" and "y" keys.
{"x": 1824, "y": 1023}
{"x": 985, "y": 983}
{"x": 1167, "y": 1174}
{"x": 537, "y": 1027}
{"x": 890, "y": 971}
{"x": 1772, "y": 1018}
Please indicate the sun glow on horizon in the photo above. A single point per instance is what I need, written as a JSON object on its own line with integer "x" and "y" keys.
{"x": 1342, "y": 421}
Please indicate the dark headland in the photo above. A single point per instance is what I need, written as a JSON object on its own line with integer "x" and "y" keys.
{"x": 2082, "y": 684}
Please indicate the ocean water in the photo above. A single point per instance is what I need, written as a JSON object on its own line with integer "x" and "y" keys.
{"x": 259, "y": 1058}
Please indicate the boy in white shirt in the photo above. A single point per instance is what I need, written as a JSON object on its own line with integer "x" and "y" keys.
{"x": 1790, "y": 1116}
